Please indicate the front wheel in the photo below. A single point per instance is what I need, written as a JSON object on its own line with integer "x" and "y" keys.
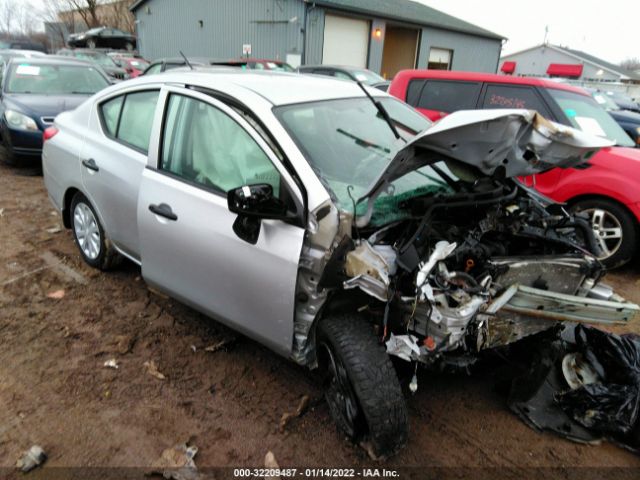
{"x": 95, "y": 248}
{"x": 615, "y": 229}
{"x": 91, "y": 44}
{"x": 362, "y": 389}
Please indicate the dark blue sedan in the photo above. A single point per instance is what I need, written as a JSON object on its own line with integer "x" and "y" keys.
{"x": 34, "y": 92}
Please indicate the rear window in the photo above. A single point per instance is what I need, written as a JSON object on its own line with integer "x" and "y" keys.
{"x": 442, "y": 95}
{"x": 511, "y": 96}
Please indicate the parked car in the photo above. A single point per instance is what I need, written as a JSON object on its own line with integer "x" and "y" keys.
{"x": 244, "y": 186}
{"x": 132, "y": 65}
{"x": 34, "y": 92}
{"x": 384, "y": 86}
{"x": 625, "y": 102}
{"x": 103, "y": 37}
{"x": 260, "y": 64}
{"x": 22, "y": 45}
{"x": 98, "y": 58}
{"x": 8, "y": 54}
{"x": 607, "y": 188}
{"x": 164, "y": 64}
{"x": 628, "y": 120}
{"x": 355, "y": 74}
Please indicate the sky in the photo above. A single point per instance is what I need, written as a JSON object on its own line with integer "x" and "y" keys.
{"x": 609, "y": 29}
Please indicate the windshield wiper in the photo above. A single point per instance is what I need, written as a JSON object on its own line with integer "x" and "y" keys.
{"x": 362, "y": 142}
{"x": 383, "y": 111}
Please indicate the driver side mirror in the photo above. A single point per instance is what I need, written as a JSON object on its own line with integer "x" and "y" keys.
{"x": 253, "y": 203}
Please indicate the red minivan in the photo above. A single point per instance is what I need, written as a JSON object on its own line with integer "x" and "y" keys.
{"x": 607, "y": 187}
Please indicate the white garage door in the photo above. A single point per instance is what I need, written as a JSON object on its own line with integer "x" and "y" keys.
{"x": 346, "y": 41}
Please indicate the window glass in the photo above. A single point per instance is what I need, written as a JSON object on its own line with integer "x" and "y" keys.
{"x": 204, "y": 145}
{"x": 341, "y": 75}
{"x": 510, "y": 96}
{"x": 449, "y": 96}
{"x": 440, "y": 59}
{"x": 54, "y": 79}
{"x": 153, "y": 69}
{"x": 137, "y": 119}
{"x": 111, "y": 113}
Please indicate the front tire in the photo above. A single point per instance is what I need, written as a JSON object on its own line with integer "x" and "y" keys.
{"x": 615, "y": 229}
{"x": 362, "y": 389}
{"x": 91, "y": 44}
{"x": 95, "y": 248}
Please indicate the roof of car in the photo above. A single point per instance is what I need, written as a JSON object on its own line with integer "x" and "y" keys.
{"x": 278, "y": 88}
{"x": 488, "y": 77}
{"x": 347, "y": 68}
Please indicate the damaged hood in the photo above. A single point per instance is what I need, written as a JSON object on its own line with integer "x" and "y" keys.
{"x": 521, "y": 142}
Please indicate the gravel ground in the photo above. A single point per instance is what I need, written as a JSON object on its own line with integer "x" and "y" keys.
{"x": 55, "y": 391}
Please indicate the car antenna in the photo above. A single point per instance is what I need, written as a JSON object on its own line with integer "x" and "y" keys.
{"x": 381, "y": 110}
{"x": 186, "y": 60}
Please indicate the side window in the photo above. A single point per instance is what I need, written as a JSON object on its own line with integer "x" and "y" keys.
{"x": 203, "y": 145}
{"x": 111, "y": 114}
{"x": 512, "y": 96}
{"x": 342, "y": 75}
{"x": 155, "y": 68}
{"x": 449, "y": 96}
{"x": 129, "y": 118}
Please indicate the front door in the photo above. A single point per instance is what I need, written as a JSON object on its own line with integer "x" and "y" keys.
{"x": 189, "y": 248}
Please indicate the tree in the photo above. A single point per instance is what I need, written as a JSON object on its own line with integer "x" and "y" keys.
{"x": 88, "y": 11}
{"x": 631, "y": 64}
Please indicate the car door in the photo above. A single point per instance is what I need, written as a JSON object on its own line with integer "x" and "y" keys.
{"x": 189, "y": 248}
{"x": 113, "y": 158}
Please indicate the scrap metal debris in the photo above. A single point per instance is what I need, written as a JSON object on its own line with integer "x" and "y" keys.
{"x": 31, "y": 459}
{"x": 288, "y": 416}
{"x": 177, "y": 463}
{"x": 584, "y": 385}
{"x": 152, "y": 369}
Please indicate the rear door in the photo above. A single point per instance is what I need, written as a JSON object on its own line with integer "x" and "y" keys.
{"x": 437, "y": 98}
{"x": 189, "y": 248}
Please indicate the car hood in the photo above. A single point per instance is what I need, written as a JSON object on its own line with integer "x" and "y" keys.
{"x": 44, "y": 105}
{"x": 625, "y": 116}
{"x": 510, "y": 143}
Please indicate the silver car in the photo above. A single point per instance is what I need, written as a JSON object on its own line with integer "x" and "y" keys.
{"x": 332, "y": 223}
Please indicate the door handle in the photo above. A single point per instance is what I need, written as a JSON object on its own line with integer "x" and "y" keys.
{"x": 163, "y": 210}
{"x": 91, "y": 164}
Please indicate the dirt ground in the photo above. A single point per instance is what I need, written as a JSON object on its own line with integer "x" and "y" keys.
{"x": 55, "y": 391}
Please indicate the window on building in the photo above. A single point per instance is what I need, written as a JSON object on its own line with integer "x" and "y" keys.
{"x": 440, "y": 59}
{"x": 511, "y": 96}
{"x": 445, "y": 96}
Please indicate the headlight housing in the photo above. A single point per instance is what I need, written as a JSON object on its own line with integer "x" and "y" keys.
{"x": 20, "y": 121}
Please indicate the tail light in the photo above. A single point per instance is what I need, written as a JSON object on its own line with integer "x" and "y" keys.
{"x": 49, "y": 133}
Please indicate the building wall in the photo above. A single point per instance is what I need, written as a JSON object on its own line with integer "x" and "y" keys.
{"x": 535, "y": 62}
{"x": 114, "y": 14}
{"x": 165, "y": 27}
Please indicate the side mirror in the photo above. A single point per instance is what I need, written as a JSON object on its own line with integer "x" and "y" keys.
{"x": 254, "y": 203}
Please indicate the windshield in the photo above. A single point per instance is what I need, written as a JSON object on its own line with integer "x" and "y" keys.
{"x": 139, "y": 64}
{"x": 349, "y": 144}
{"x": 54, "y": 79}
{"x": 101, "y": 60}
{"x": 367, "y": 76}
{"x": 604, "y": 100}
{"x": 585, "y": 114}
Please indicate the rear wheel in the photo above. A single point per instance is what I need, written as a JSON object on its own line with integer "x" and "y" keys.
{"x": 615, "y": 229}
{"x": 362, "y": 389}
{"x": 91, "y": 44}
{"x": 94, "y": 246}
{"x": 129, "y": 46}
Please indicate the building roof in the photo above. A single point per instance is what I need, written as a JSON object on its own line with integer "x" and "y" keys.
{"x": 403, "y": 10}
{"x": 585, "y": 57}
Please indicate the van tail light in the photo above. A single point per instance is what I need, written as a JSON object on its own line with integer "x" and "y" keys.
{"x": 49, "y": 133}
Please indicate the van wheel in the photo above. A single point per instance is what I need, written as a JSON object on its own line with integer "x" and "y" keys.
{"x": 94, "y": 246}
{"x": 361, "y": 387}
{"x": 615, "y": 229}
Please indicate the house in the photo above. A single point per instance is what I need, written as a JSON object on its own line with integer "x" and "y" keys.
{"x": 548, "y": 60}
{"x": 382, "y": 35}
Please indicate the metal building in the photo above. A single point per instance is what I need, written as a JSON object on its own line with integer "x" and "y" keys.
{"x": 382, "y": 35}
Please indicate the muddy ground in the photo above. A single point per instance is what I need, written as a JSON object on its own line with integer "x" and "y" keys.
{"x": 55, "y": 391}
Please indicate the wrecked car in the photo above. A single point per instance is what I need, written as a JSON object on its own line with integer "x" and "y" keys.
{"x": 332, "y": 223}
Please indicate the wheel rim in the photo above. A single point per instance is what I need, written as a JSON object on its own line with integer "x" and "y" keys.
{"x": 607, "y": 230}
{"x": 91, "y": 44}
{"x": 86, "y": 230}
{"x": 339, "y": 393}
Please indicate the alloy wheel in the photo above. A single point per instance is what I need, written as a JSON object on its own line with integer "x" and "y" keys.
{"x": 607, "y": 230}
{"x": 86, "y": 230}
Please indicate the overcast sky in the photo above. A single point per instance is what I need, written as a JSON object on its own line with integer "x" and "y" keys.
{"x": 609, "y": 29}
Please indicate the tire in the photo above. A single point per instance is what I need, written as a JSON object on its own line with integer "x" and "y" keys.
{"x": 615, "y": 229}
{"x": 95, "y": 248}
{"x": 91, "y": 44}
{"x": 362, "y": 388}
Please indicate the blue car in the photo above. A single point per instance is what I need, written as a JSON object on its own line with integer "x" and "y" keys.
{"x": 34, "y": 92}
{"x": 629, "y": 120}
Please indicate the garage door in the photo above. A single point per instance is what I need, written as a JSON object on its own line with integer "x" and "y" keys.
{"x": 346, "y": 41}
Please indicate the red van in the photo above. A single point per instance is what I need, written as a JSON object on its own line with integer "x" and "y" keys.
{"x": 607, "y": 188}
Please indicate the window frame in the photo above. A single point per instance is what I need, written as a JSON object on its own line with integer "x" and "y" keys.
{"x": 115, "y": 138}
{"x": 212, "y": 99}
{"x": 449, "y": 65}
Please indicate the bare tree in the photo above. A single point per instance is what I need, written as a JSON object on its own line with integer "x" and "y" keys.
{"x": 8, "y": 10}
{"x": 631, "y": 64}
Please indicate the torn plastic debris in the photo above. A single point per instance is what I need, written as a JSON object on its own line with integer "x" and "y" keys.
{"x": 403, "y": 346}
{"x": 442, "y": 250}
{"x": 32, "y": 458}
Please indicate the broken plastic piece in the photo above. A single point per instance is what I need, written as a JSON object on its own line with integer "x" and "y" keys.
{"x": 32, "y": 458}
{"x": 403, "y": 346}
